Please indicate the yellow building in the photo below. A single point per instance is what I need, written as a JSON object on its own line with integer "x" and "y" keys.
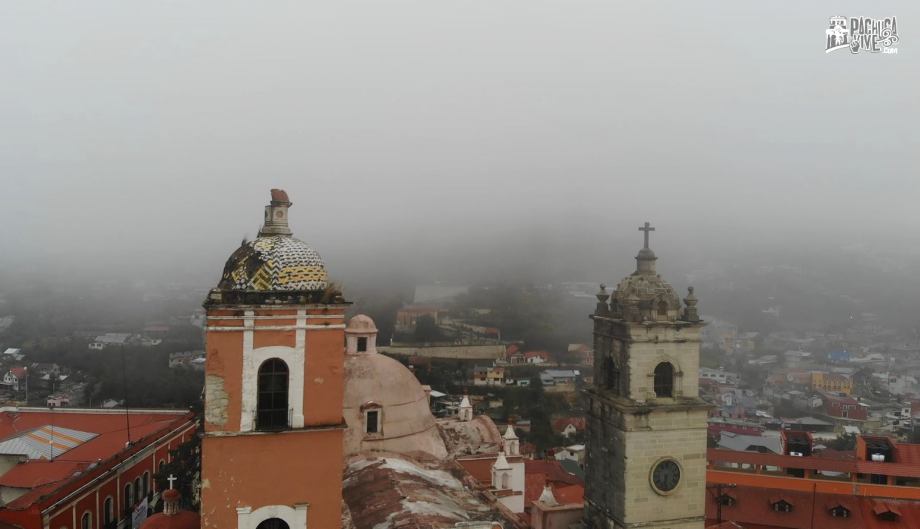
{"x": 832, "y": 382}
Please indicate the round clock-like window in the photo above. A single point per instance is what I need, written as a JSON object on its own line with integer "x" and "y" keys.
{"x": 665, "y": 476}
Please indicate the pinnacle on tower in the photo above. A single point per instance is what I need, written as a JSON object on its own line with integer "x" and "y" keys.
{"x": 645, "y": 261}
{"x": 276, "y": 215}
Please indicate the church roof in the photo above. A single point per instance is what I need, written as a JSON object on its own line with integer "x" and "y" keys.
{"x": 406, "y": 423}
{"x": 276, "y": 262}
{"x": 390, "y": 492}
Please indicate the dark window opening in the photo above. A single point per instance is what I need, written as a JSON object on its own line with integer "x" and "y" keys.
{"x": 840, "y": 512}
{"x": 664, "y": 380}
{"x": 362, "y": 344}
{"x": 273, "y": 523}
{"x": 663, "y": 308}
{"x": 272, "y": 407}
{"x": 373, "y": 421}
{"x": 108, "y": 513}
{"x": 782, "y": 506}
{"x": 611, "y": 374}
{"x": 725, "y": 500}
{"x": 129, "y": 493}
{"x": 86, "y": 522}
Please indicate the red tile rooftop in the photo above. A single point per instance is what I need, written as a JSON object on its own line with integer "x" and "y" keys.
{"x": 48, "y": 479}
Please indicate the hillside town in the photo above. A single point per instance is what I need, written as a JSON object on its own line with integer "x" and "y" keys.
{"x": 467, "y": 422}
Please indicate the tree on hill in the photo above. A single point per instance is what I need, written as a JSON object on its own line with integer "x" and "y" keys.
{"x": 426, "y": 330}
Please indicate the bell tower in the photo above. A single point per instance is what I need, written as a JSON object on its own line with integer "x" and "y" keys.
{"x": 646, "y": 451}
{"x": 272, "y": 451}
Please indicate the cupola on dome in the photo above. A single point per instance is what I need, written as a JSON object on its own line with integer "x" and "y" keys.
{"x": 644, "y": 295}
{"x": 275, "y": 260}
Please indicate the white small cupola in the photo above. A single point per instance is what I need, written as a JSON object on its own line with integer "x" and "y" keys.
{"x": 361, "y": 335}
{"x": 501, "y": 473}
{"x": 466, "y": 409}
{"x": 511, "y": 443}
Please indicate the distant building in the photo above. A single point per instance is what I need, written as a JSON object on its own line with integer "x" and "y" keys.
{"x": 750, "y": 443}
{"x": 843, "y": 407}
{"x": 16, "y": 378}
{"x": 582, "y": 352}
{"x": 14, "y": 353}
{"x": 407, "y": 317}
{"x": 536, "y": 357}
{"x": 488, "y": 376}
{"x": 720, "y": 376}
{"x": 832, "y": 382}
{"x": 569, "y": 426}
{"x": 57, "y": 401}
{"x": 764, "y": 360}
{"x": 110, "y": 339}
{"x": 559, "y": 376}
{"x": 572, "y": 453}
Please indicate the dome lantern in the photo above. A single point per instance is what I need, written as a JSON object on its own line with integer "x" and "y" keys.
{"x": 274, "y": 266}
{"x": 644, "y": 296}
{"x": 276, "y": 215}
{"x": 361, "y": 335}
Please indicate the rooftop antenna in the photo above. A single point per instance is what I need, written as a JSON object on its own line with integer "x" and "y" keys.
{"x": 124, "y": 382}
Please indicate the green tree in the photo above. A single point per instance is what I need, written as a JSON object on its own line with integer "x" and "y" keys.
{"x": 426, "y": 330}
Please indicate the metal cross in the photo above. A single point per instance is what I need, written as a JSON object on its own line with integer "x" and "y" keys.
{"x": 647, "y": 228}
{"x": 170, "y": 479}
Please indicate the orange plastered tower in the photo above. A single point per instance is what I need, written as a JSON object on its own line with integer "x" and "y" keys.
{"x": 272, "y": 447}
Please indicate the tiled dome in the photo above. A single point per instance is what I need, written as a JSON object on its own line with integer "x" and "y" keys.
{"x": 277, "y": 262}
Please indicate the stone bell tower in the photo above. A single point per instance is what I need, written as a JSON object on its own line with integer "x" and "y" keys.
{"x": 646, "y": 450}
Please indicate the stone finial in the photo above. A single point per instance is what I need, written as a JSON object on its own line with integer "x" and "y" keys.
{"x": 691, "y": 312}
{"x": 547, "y": 497}
{"x": 602, "y": 297}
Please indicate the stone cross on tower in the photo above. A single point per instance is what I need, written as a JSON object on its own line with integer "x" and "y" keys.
{"x": 170, "y": 479}
{"x": 647, "y": 228}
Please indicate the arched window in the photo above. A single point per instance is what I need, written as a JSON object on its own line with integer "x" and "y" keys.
{"x": 273, "y": 523}
{"x": 128, "y": 498}
{"x": 137, "y": 490}
{"x": 145, "y": 483}
{"x": 272, "y": 407}
{"x": 86, "y": 522}
{"x": 662, "y": 308}
{"x": 611, "y": 374}
{"x": 161, "y": 466}
{"x": 664, "y": 380}
{"x": 108, "y": 511}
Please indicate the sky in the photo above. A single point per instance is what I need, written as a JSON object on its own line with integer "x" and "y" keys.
{"x": 436, "y": 138}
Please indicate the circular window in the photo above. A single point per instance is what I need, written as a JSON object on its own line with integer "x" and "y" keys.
{"x": 665, "y": 476}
